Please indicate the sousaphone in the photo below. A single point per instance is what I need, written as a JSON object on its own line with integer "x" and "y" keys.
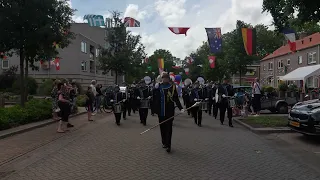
{"x": 187, "y": 82}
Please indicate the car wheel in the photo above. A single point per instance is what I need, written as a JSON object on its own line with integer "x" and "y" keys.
{"x": 282, "y": 108}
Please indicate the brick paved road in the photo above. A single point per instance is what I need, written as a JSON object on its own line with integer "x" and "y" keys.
{"x": 101, "y": 150}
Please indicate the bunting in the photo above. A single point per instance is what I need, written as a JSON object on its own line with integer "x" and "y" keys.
{"x": 212, "y": 61}
{"x": 249, "y": 40}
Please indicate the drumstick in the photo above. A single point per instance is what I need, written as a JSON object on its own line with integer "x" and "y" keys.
{"x": 195, "y": 104}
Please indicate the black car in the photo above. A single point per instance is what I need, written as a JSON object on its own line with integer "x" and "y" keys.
{"x": 304, "y": 117}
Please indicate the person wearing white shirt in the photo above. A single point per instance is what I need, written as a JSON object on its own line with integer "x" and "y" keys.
{"x": 94, "y": 91}
{"x": 256, "y": 97}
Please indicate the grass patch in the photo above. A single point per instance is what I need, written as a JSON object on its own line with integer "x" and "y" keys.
{"x": 266, "y": 121}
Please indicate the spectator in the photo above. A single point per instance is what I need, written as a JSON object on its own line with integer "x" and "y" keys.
{"x": 256, "y": 97}
{"x": 54, "y": 95}
{"x": 98, "y": 97}
{"x": 94, "y": 91}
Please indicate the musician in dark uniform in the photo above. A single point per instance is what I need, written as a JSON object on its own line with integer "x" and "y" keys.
{"x": 117, "y": 97}
{"x": 143, "y": 93}
{"x": 215, "y": 100}
{"x": 196, "y": 96}
{"x": 186, "y": 97}
{"x": 225, "y": 90}
{"x": 210, "y": 97}
{"x": 133, "y": 98}
{"x": 130, "y": 99}
{"x": 125, "y": 103}
{"x": 166, "y": 96}
{"x": 152, "y": 104}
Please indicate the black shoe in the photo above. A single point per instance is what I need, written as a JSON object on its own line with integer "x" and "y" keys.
{"x": 164, "y": 146}
{"x": 70, "y": 125}
{"x": 118, "y": 124}
{"x": 124, "y": 118}
{"x": 199, "y": 125}
{"x": 221, "y": 123}
{"x": 144, "y": 124}
{"x": 230, "y": 125}
{"x": 141, "y": 122}
{"x": 168, "y": 149}
{"x": 129, "y": 114}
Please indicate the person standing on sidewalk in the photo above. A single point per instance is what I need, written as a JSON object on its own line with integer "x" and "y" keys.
{"x": 54, "y": 96}
{"x": 94, "y": 91}
{"x": 166, "y": 96}
{"x": 65, "y": 107}
{"x": 98, "y": 97}
{"x": 89, "y": 102}
{"x": 256, "y": 97}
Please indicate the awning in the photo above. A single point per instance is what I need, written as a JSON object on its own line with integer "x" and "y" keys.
{"x": 302, "y": 73}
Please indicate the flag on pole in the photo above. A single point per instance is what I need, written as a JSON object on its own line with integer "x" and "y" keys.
{"x": 214, "y": 39}
{"x": 186, "y": 70}
{"x": 131, "y": 22}
{"x": 179, "y": 30}
{"x": 160, "y": 65}
{"x": 212, "y": 61}
{"x": 291, "y": 37}
{"x": 249, "y": 40}
{"x": 57, "y": 63}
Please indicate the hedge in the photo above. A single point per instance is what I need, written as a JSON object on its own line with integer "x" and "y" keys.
{"x": 34, "y": 110}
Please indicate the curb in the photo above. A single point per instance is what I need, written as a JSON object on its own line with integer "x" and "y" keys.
{"x": 23, "y": 130}
{"x": 264, "y": 130}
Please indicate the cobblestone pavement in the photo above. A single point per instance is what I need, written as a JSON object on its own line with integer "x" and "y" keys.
{"x": 101, "y": 150}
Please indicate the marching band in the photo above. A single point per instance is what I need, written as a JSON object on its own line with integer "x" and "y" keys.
{"x": 162, "y": 96}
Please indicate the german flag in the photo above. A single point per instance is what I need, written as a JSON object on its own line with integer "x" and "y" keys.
{"x": 249, "y": 40}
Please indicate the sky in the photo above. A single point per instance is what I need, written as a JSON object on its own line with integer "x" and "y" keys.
{"x": 156, "y": 16}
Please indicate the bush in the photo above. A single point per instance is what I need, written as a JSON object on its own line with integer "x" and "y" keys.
{"x": 46, "y": 87}
{"x": 81, "y": 100}
{"x": 293, "y": 87}
{"x": 268, "y": 89}
{"x": 35, "y": 110}
{"x": 283, "y": 86}
{"x": 32, "y": 85}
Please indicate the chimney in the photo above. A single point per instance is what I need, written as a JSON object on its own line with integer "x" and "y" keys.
{"x": 302, "y": 35}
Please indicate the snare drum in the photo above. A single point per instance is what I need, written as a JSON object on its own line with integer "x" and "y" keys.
{"x": 232, "y": 103}
{"x": 144, "y": 104}
{"x": 203, "y": 106}
{"x": 117, "y": 108}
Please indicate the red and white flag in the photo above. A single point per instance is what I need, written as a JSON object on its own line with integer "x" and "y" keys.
{"x": 179, "y": 30}
{"x": 57, "y": 63}
{"x": 190, "y": 60}
{"x": 186, "y": 70}
{"x": 212, "y": 61}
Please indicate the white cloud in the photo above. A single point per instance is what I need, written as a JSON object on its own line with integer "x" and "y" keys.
{"x": 207, "y": 14}
{"x": 132, "y": 10}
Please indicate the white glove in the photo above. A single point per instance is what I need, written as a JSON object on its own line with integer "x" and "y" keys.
{"x": 111, "y": 100}
{"x": 182, "y": 111}
{"x": 207, "y": 99}
{"x": 124, "y": 100}
{"x": 195, "y": 99}
{"x": 156, "y": 85}
{"x": 149, "y": 97}
{"x": 213, "y": 98}
{"x": 138, "y": 97}
{"x": 223, "y": 95}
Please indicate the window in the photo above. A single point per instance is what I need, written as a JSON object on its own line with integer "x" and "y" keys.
{"x": 280, "y": 64}
{"x": 5, "y": 64}
{"x": 299, "y": 59}
{"x": 312, "y": 82}
{"x": 270, "y": 66}
{"x": 84, "y": 66}
{"x": 97, "y": 52}
{"x": 288, "y": 61}
{"x": 312, "y": 58}
{"x": 83, "y": 47}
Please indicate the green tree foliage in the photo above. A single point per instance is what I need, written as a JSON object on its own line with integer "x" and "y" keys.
{"x": 30, "y": 27}
{"x": 283, "y": 10}
{"x": 124, "y": 52}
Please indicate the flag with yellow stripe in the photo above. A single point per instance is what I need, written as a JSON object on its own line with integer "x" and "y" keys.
{"x": 249, "y": 40}
{"x": 160, "y": 65}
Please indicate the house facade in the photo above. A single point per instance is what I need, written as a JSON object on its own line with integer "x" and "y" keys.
{"x": 253, "y": 72}
{"x": 275, "y": 66}
{"x": 79, "y": 61}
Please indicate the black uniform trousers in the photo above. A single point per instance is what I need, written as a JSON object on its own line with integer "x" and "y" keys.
{"x": 197, "y": 115}
{"x": 215, "y": 109}
{"x": 117, "y": 117}
{"x": 210, "y": 103}
{"x": 188, "y": 105}
{"x": 125, "y": 109}
{"x": 223, "y": 107}
{"x": 166, "y": 130}
{"x": 143, "y": 113}
{"x": 152, "y": 106}
{"x": 129, "y": 106}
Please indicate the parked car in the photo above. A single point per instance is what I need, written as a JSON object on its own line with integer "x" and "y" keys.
{"x": 304, "y": 117}
{"x": 271, "y": 101}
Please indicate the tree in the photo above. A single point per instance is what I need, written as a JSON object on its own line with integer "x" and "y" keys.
{"x": 283, "y": 10}
{"x": 29, "y": 29}
{"x": 124, "y": 52}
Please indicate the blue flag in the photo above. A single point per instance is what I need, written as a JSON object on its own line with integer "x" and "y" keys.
{"x": 214, "y": 39}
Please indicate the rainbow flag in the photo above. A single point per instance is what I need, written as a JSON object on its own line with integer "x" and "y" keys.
{"x": 160, "y": 65}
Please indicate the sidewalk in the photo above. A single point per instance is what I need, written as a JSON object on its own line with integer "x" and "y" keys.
{"x": 31, "y": 126}
{"x": 15, "y": 146}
